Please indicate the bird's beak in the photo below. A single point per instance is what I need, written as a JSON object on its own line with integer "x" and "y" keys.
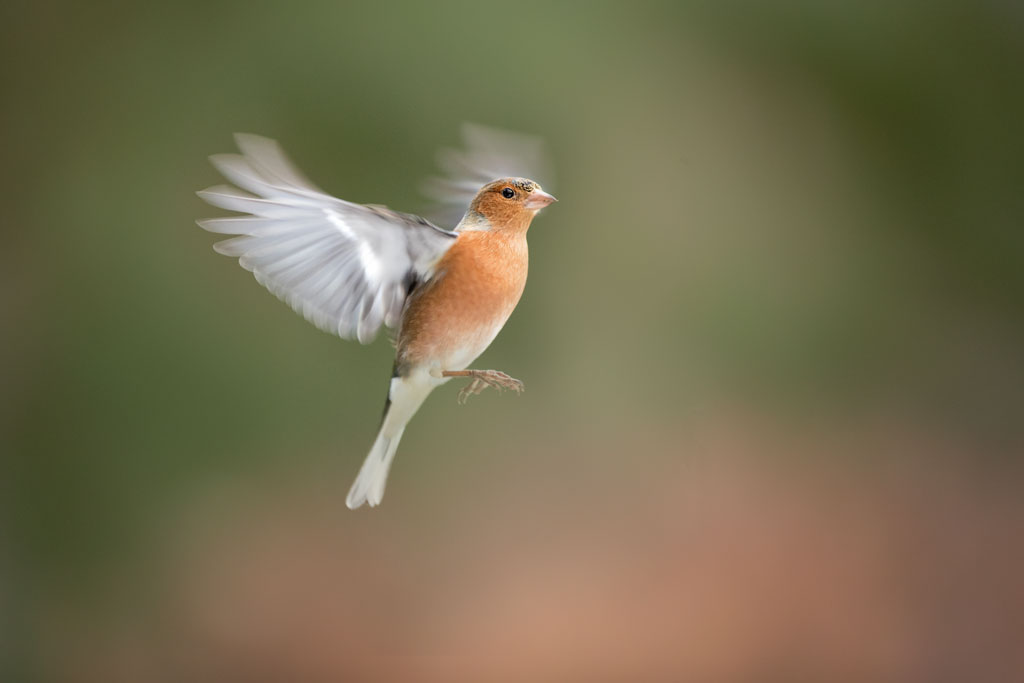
{"x": 538, "y": 199}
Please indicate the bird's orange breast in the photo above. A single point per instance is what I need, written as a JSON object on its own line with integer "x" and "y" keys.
{"x": 451, "y": 319}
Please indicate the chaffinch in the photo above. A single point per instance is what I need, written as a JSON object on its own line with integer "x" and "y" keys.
{"x": 351, "y": 268}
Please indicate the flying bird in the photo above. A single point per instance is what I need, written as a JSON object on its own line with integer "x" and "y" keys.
{"x": 352, "y": 268}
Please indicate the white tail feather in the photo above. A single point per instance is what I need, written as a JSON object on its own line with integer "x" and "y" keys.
{"x": 373, "y": 475}
{"x": 406, "y": 396}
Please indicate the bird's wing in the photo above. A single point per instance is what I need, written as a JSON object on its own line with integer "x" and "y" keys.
{"x": 488, "y": 154}
{"x": 347, "y": 268}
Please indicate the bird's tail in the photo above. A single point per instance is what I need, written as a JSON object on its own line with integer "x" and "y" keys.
{"x": 405, "y": 396}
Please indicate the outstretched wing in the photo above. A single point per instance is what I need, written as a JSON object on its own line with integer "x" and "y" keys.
{"x": 488, "y": 154}
{"x": 347, "y": 268}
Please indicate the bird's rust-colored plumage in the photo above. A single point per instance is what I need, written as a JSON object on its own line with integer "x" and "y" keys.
{"x": 501, "y": 213}
{"x": 451, "y": 319}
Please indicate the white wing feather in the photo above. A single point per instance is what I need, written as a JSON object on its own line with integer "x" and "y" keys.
{"x": 488, "y": 154}
{"x": 347, "y": 268}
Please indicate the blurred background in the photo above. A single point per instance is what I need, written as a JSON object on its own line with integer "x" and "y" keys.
{"x": 773, "y": 341}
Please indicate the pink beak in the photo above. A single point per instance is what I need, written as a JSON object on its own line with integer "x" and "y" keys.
{"x": 538, "y": 199}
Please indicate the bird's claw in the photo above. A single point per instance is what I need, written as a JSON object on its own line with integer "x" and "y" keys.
{"x": 489, "y": 378}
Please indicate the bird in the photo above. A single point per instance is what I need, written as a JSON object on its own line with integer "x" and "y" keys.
{"x": 352, "y": 268}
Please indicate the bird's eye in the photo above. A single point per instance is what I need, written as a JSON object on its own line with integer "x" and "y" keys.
{"x": 508, "y": 193}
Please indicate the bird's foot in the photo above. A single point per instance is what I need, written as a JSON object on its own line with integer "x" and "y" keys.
{"x": 483, "y": 379}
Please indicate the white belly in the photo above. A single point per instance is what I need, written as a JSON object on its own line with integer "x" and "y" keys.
{"x": 460, "y": 357}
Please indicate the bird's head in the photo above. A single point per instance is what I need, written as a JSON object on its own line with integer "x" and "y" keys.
{"x": 508, "y": 204}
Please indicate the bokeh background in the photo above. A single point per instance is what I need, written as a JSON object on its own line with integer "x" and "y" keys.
{"x": 773, "y": 341}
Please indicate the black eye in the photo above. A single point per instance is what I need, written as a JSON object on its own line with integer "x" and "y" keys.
{"x": 508, "y": 193}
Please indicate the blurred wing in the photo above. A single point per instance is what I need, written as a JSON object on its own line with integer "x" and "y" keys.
{"x": 489, "y": 154}
{"x": 347, "y": 268}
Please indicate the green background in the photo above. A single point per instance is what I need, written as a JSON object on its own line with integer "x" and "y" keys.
{"x": 772, "y": 340}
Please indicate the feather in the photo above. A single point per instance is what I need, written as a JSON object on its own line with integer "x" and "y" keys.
{"x": 342, "y": 266}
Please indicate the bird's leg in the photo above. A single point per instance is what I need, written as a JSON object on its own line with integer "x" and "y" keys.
{"x": 483, "y": 379}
